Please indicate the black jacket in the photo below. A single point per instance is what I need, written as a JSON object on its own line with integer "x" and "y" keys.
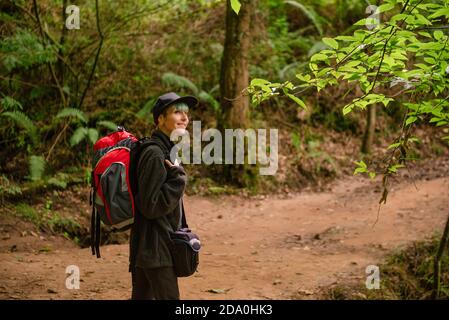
{"x": 159, "y": 205}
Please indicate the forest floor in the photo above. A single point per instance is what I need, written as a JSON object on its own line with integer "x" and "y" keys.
{"x": 291, "y": 246}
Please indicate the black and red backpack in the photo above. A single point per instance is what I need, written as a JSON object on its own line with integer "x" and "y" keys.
{"x": 114, "y": 183}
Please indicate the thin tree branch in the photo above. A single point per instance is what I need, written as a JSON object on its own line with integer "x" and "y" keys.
{"x": 96, "y": 56}
{"x": 52, "y": 71}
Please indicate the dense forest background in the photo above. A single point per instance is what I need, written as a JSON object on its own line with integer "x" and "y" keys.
{"x": 61, "y": 89}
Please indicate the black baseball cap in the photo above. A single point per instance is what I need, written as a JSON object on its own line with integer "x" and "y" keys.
{"x": 168, "y": 99}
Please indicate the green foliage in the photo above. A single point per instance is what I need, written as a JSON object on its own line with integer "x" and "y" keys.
{"x": 310, "y": 13}
{"x": 92, "y": 134}
{"x": 404, "y": 57}
{"x": 171, "y": 79}
{"x": 72, "y": 112}
{"x": 320, "y": 157}
{"x": 60, "y": 180}
{"x": 235, "y": 5}
{"x": 8, "y": 188}
{"x": 23, "y": 121}
{"x": 176, "y": 81}
{"x": 79, "y": 135}
{"x": 25, "y": 50}
{"x": 60, "y": 225}
{"x": 363, "y": 168}
{"x": 146, "y": 109}
{"x": 9, "y": 103}
{"x": 27, "y": 212}
{"x": 406, "y": 274}
{"x": 36, "y": 167}
{"x": 107, "y": 124}
{"x": 296, "y": 141}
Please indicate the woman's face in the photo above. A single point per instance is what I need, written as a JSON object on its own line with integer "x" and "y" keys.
{"x": 176, "y": 118}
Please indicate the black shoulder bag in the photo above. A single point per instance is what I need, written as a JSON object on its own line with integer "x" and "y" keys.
{"x": 185, "y": 248}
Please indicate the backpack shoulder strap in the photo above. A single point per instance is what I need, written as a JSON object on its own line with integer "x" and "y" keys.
{"x": 183, "y": 216}
{"x": 136, "y": 150}
{"x": 146, "y": 142}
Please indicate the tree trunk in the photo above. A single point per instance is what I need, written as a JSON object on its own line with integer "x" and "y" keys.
{"x": 437, "y": 262}
{"x": 62, "y": 43}
{"x": 234, "y": 76}
{"x": 369, "y": 130}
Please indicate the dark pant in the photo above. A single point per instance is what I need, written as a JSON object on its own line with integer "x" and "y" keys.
{"x": 154, "y": 284}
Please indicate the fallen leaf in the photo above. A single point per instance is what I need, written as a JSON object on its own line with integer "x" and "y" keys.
{"x": 45, "y": 249}
{"x": 277, "y": 281}
{"x": 305, "y": 292}
{"x": 218, "y": 290}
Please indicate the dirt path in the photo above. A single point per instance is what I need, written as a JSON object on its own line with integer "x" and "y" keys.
{"x": 264, "y": 248}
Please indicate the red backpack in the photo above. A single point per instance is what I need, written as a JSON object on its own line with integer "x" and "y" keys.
{"x": 114, "y": 183}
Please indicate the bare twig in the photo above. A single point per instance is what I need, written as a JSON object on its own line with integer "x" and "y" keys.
{"x": 96, "y": 56}
{"x": 56, "y": 141}
{"x": 50, "y": 66}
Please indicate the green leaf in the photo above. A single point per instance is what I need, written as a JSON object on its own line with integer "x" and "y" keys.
{"x": 235, "y": 5}
{"x": 78, "y": 136}
{"x": 361, "y": 163}
{"x": 72, "y": 112}
{"x": 385, "y": 7}
{"x": 310, "y": 13}
{"x": 438, "y": 34}
{"x": 296, "y": 141}
{"x": 36, "y": 167}
{"x": 361, "y": 167}
{"x": 9, "y": 103}
{"x": 331, "y": 43}
{"x": 259, "y": 82}
{"x": 394, "y": 145}
{"x": 439, "y": 13}
{"x": 410, "y": 120}
{"x": 93, "y": 135}
{"x": 171, "y": 79}
{"x": 107, "y": 124}
{"x": 23, "y": 121}
{"x": 348, "y": 108}
{"x": 206, "y": 97}
{"x": 395, "y": 168}
{"x": 54, "y": 181}
{"x": 146, "y": 109}
{"x": 319, "y": 57}
{"x": 296, "y": 99}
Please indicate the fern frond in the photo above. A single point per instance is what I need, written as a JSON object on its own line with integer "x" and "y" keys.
{"x": 22, "y": 120}
{"x": 78, "y": 136}
{"x": 36, "y": 167}
{"x": 92, "y": 134}
{"x": 146, "y": 109}
{"x": 107, "y": 124}
{"x": 9, "y": 103}
{"x": 206, "y": 97}
{"x": 72, "y": 112}
{"x": 310, "y": 13}
{"x": 174, "y": 80}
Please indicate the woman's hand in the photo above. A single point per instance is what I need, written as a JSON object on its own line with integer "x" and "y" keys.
{"x": 171, "y": 165}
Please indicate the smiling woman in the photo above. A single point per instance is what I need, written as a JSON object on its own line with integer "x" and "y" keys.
{"x": 174, "y": 117}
